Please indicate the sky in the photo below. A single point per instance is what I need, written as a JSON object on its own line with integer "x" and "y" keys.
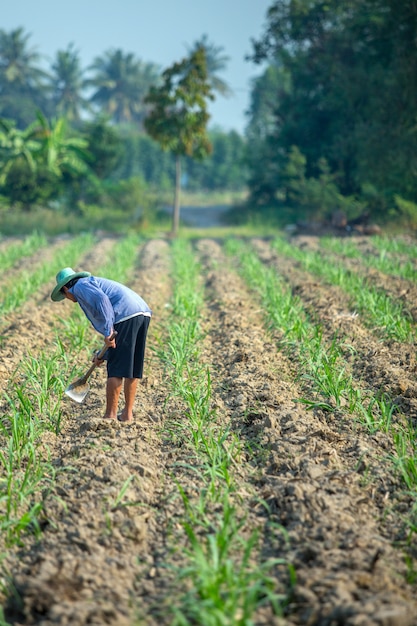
{"x": 155, "y": 31}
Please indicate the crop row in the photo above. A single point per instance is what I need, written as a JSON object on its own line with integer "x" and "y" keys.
{"x": 220, "y": 550}
{"x": 323, "y": 365}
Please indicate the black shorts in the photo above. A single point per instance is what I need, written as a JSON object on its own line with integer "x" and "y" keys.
{"x": 126, "y": 359}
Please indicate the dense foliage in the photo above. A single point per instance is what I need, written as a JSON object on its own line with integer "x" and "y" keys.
{"x": 223, "y": 169}
{"x": 331, "y": 124}
{"x": 69, "y": 135}
{"x": 336, "y": 104}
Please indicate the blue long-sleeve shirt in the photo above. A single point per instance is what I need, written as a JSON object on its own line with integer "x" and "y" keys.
{"x": 106, "y": 302}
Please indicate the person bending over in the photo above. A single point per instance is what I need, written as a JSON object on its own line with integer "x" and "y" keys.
{"x": 111, "y": 308}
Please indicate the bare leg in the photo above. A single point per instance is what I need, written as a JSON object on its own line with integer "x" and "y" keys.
{"x": 114, "y": 387}
{"x": 130, "y": 387}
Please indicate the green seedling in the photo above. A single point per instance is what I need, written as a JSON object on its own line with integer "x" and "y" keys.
{"x": 27, "y": 282}
{"x": 118, "y": 501}
{"x": 323, "y": 367}
{"x": 378, "y": 310}
{"x": 221, "y": 580}
{"x": 385, "y": 257}
{"x": 33, "y": 242}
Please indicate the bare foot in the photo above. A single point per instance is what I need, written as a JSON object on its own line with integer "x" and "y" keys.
{"x": 109, "y": 417}
{"x": 125, "y": 417}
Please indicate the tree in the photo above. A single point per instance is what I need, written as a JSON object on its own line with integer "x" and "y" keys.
{"x": 351, "y": 70}
{"x": 104, "y": 146}
{"x": 121, "y": 83}
{"x": 265, "y": 155}
{"x": 224, "y": 169}
{"x": 64, "y": 157}
{"x": 67, "y": 82}
{"x": 144, "y": 157}
{"x": 178, "y": 117}
{"x": 38, "y": 163}
{"x": 17, "y": 146}
{"x": 23, "y": 87}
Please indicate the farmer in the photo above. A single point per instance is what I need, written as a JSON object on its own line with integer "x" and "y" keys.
{"x": 111, "y": 307}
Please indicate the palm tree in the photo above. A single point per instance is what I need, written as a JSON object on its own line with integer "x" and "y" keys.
{"x": 22, "y": 82}
{"x": 67, "y": 84}
{"x": 216, "y": 61}
{"x": 121, "y": 82}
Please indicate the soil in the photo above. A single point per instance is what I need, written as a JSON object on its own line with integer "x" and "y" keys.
{"x": 325, "y": 482}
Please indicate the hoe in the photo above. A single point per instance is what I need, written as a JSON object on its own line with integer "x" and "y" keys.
{"x": 79, "y": 388}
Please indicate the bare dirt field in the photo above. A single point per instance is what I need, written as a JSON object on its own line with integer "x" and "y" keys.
{"x": 319, "y": 487}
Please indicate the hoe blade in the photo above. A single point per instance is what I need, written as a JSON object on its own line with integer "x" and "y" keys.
{"x": 77, "y": 390}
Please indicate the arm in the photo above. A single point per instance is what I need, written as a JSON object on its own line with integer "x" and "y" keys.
{"x": 97, "y": 308}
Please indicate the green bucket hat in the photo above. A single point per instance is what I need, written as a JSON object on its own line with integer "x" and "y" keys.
{"x": 62, "y": 278}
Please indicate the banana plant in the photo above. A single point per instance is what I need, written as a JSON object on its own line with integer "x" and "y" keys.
{"x": 17, "y": 146}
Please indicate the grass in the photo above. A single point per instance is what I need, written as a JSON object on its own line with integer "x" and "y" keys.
{"x": 56, "y": 221}
{"x": 322, "y": 369}
{"x": 204, "y": 198}
{"x": 25, "y": 474}
{"x": 395, "y": 246}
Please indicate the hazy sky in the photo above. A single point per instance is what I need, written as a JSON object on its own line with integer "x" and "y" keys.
{"x": 155, "y": 31}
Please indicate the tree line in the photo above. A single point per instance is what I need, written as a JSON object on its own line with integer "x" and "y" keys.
{"x": 73, "y": 134}
{"x": 332, "y": 121}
